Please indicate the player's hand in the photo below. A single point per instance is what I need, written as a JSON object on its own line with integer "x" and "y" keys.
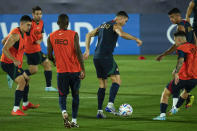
{"x": 86, "y": 55}
{"x": 176, "y": 78}
{"x": 82, "y": 75}
{"x": 16, "y": 62}
{"x": 159, "y": 58}
{"x": 139, "y": 42}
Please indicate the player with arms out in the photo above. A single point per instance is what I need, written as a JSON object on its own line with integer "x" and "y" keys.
{"x": 182, "y": 25}
{"x": 103, "y": 58}
{"x": 184, "y": 76}
{"x": 70, "y": 67}
{"x": 11, "y": 63}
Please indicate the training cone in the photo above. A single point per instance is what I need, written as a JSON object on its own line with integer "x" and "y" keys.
{"x": 141, "y": 58}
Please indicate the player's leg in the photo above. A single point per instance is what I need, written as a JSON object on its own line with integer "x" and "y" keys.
{"x": 75, "y": 85}
{"x": 63, "y": 87}
{"x": 47, "y": 72}
{"x": 116, "y": 81}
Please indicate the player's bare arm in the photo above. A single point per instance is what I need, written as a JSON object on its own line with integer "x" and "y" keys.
{"x": 39, "y": 41}
{"x": 50, "y": 51}
{"x": 178, "y": 67}
{"x": 13, "y": 38}
{"x": 118, "y": 29}
{"x": 88, "y": 40}
{"x": 4, "y": 40}
{"x": 79, "y": 55}
{"x": 189, "y": 10}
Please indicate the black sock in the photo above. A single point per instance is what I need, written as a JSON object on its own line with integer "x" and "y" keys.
{"x": 113, "y": 92}
{"x": 48, "y": 77}
{"x": 163, "y": 107}
{"x": 75, "y": 106}
{"x": 27, "y": 72}
{"x": 18, "y": 97}
{"x": 62, "y": 102}
{"x": 25, "y": 95}
{"x": 180, "y": 102}
{"x": 100, "y": 97}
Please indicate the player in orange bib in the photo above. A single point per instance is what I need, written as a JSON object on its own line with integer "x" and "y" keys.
{"x": 70, "y": 67}
{"x": 33, "y": 49}
{"x": 185, "y": 75}
{"x": 11, "y": 63}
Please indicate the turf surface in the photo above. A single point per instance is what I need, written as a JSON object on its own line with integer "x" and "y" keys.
{"x": 142, "y": 84}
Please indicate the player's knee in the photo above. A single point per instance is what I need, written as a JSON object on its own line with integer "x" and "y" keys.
{"x": 165, "y": 96}
{"x": 21, "y": 83}
{"x": 33, "y": 70}
{"x": 47, "y": 65}
{"x": 184, "y": 95}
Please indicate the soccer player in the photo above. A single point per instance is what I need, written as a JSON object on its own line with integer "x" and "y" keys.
{"x": 184, "y": 76}
{"x": 70, "y": 67}
{"x": 103, "y": 58}
{"x": 182, "y": 25}
{"x": 11, "y": 63}
{"x": 33, "y": 49}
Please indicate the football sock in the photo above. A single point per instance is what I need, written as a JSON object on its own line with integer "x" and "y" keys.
{"x": 100, "y": 97}
{"x": 48, "y": 77}
{"x": 18, "y": 97}
{"x": 74, "y": 120}
{"x": 75, "y": 105}
{"x": 175, "y": 100}
{"x": 163, "y": 107}
{"x": 25, "y": 103}
{"x": 26, "y": 92}
{"x": 27, "y": 72}
{"x": 15, "y": 108}
{"x": 180, "y": 102}
{"x": 113, "y": 91}
{"x": 62, "y": 102}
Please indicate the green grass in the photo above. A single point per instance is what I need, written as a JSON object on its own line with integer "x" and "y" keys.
{"x": 142, "y": 84}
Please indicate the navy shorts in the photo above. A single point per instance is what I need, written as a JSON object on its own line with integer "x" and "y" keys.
{"x": 188, "y": 85}
{"x": 12, "y": 70}
{"x": 36, "y": 58}
{"x": 66, "y": 81}
{"x": 106, "y": 67}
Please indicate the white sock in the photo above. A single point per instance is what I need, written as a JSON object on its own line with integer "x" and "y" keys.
{"x": 15, "y": 108}
{"x": 110, "y": 104}
{"x": 63, "y": 111}
{"x": 100, "y": 111}
{"x": 175, "y": 100}
{"x": 49, "y": 87}
{"x": 74, "y": 120}
{"x": 25, "y": 103}
{"x": 162, "y": 114}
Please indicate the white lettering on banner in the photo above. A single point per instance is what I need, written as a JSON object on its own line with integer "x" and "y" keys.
{"x": 86, "y": 25}
{"x": 4, "y": 27}
{"x": 169, "y": 31}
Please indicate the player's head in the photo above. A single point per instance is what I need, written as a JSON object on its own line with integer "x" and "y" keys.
{"x": 63, "y": 21}
{"x": 25, "y": 23}
{"x": 179, "y": 37}
{"x": 121, "y": 18}
{"x": 37, "y": 13}
{"x": 174, "y": 15}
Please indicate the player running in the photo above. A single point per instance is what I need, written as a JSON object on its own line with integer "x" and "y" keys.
{"x": 103, "y": 58}
{"x": 70, "y": 67}
{"x": 11, "y": 63}
{"x": 184, "y": 76}
{"x": 182, "y": 25}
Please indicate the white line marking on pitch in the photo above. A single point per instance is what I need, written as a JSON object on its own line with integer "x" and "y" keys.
{"x": 52, "y": 97}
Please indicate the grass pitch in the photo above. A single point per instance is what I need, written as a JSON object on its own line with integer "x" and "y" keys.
{"x": 142, "y": 84}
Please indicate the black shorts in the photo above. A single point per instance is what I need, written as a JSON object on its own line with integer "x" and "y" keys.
{"x": 12, "y": 70}
{"x": 66, "y": 80}
{"x": 106, "y": 67}
{"x": 36, "y": 58}
{"x": 188, "y": 85}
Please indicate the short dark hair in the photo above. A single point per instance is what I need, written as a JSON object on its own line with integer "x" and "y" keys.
{"x": 63, "y": 20}
{"x": 25, "y": 18}
{"x": 122, "y": 13}
{"x": 174, "y": 11}
{"x": 180, "y": 34}
{"x": 36, "y": 8}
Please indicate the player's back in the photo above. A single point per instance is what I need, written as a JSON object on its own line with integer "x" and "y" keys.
{"x": 64, "y": 51}
{"x": 188, "y": 30}
{"x": 107, "y": 39}
{"x": 189, "y": 68}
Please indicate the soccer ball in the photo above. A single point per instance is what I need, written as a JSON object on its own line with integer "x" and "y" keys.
{"x": 125, "y": 110}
